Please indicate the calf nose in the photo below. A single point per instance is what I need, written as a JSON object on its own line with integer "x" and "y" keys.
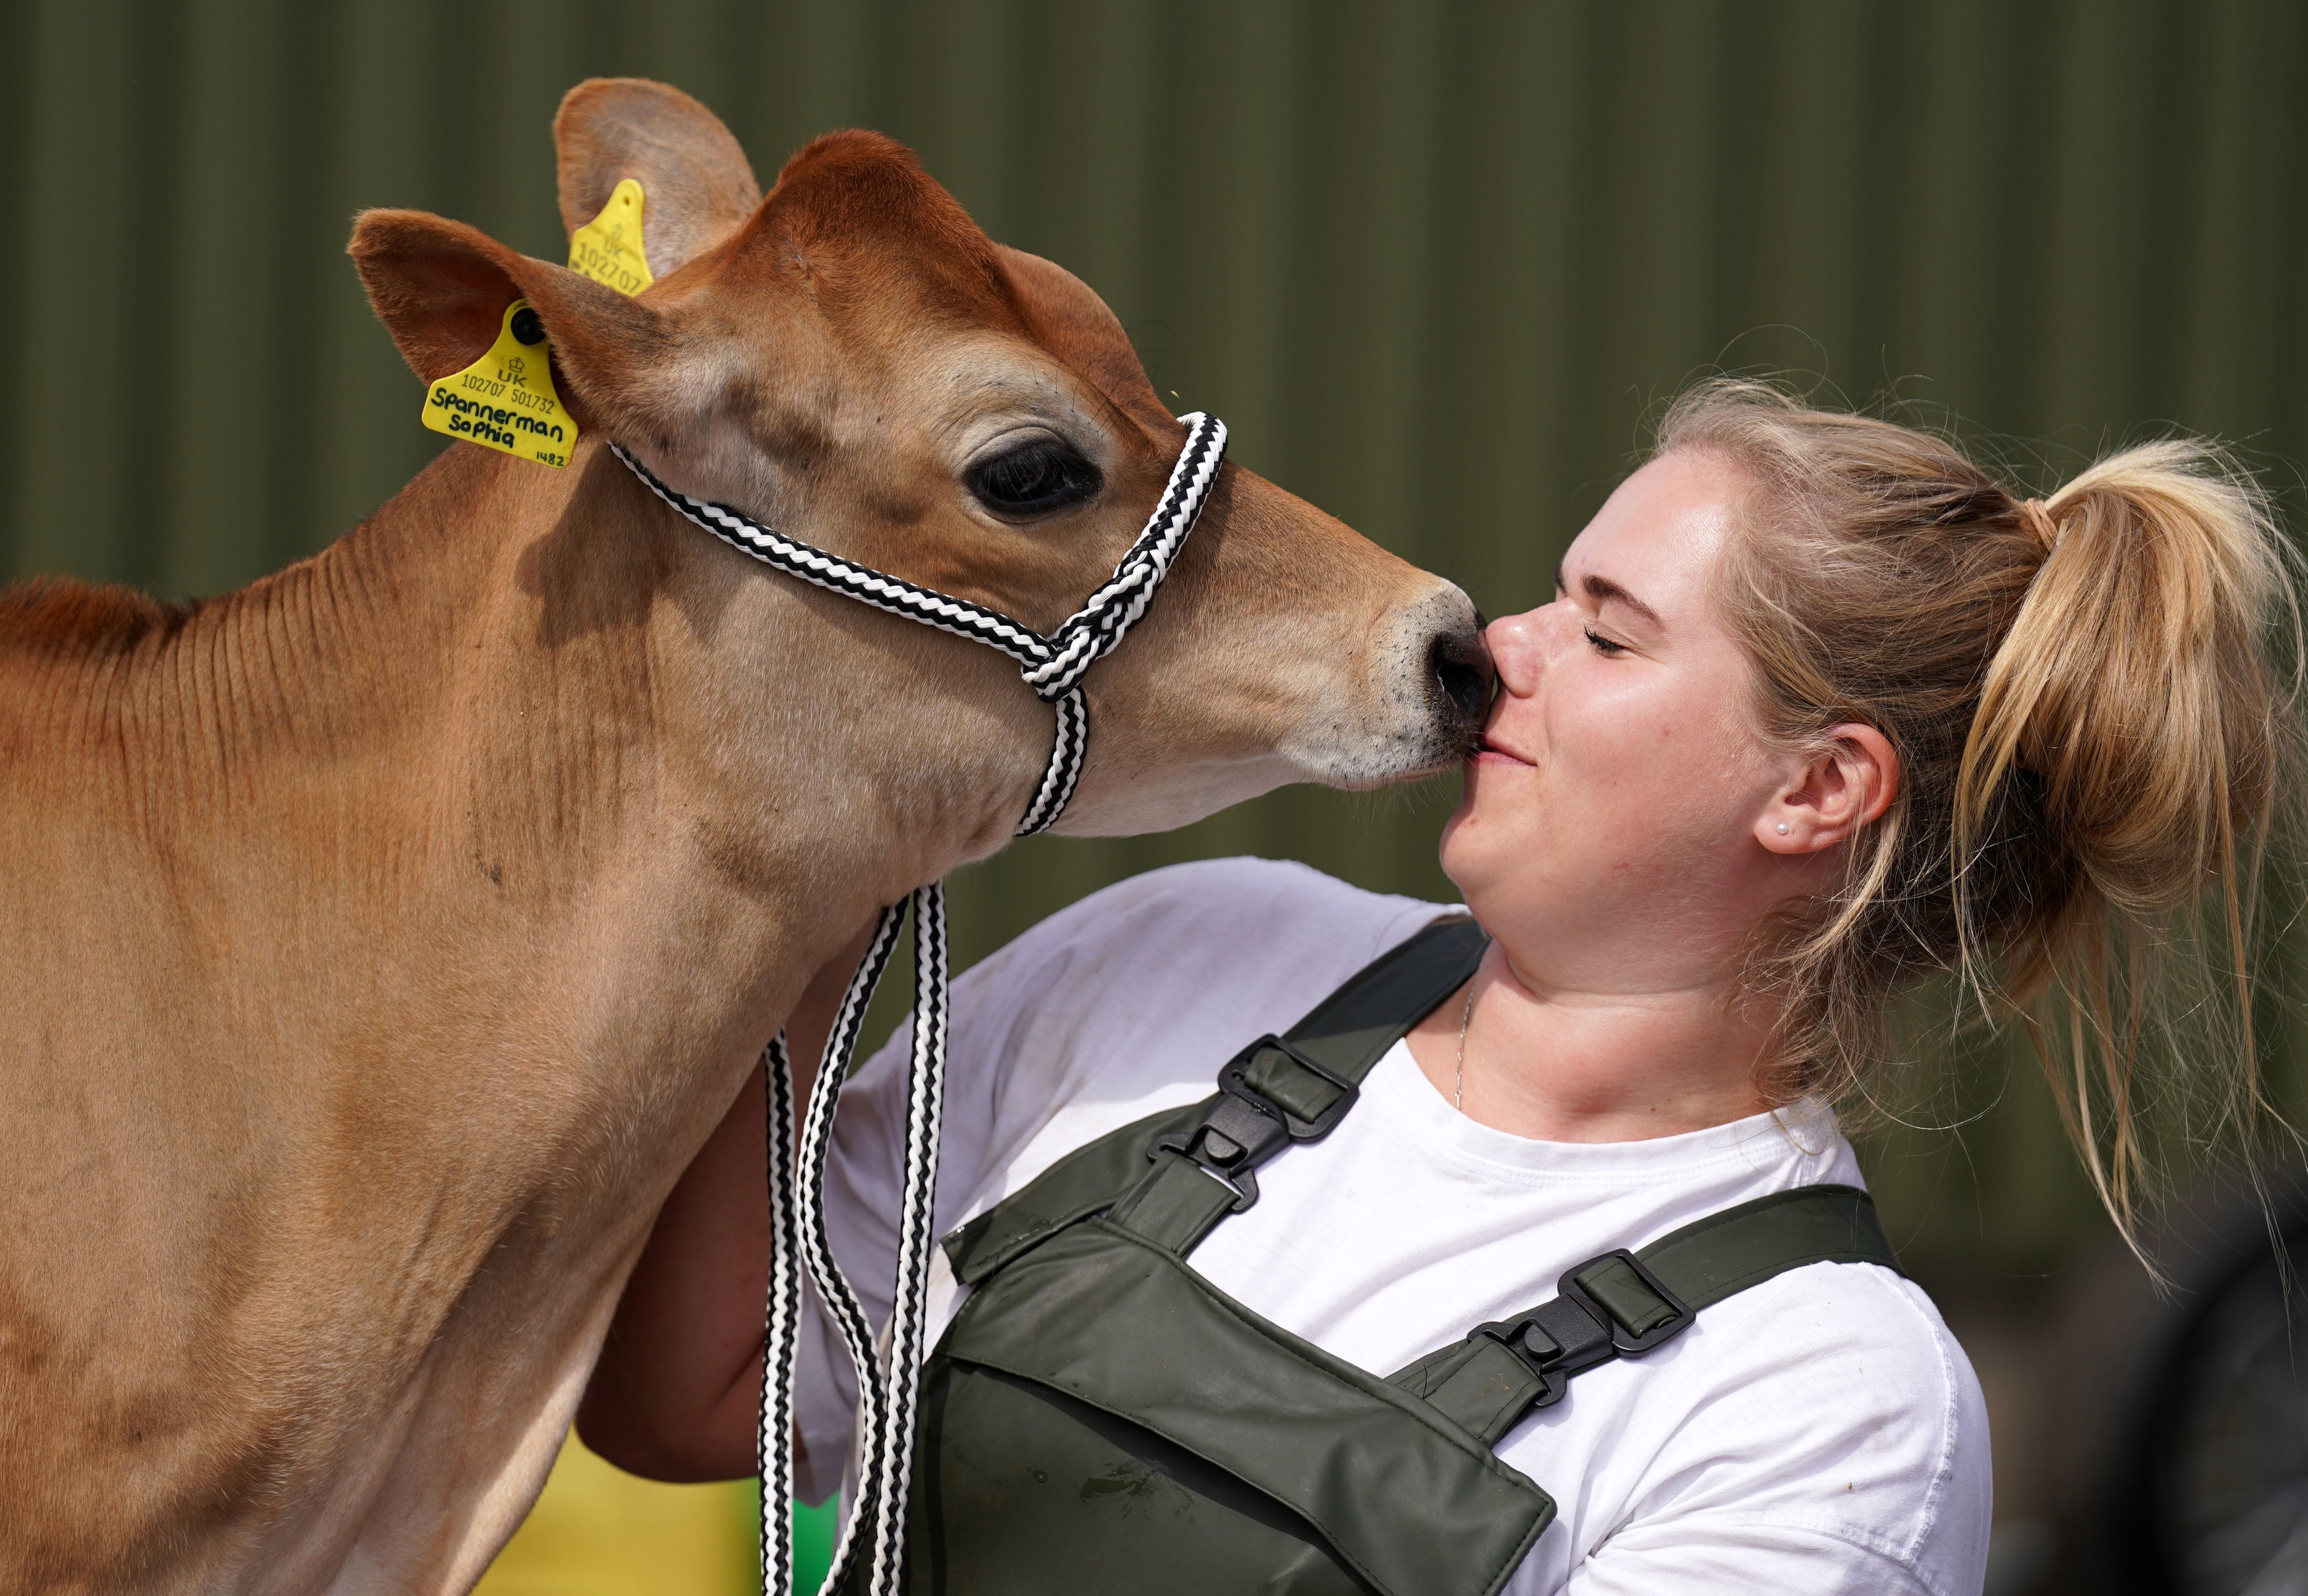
{"x": 1459, "y": 671}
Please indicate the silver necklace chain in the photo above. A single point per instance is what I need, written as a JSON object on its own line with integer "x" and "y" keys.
{"x": 1459, "y": 1073}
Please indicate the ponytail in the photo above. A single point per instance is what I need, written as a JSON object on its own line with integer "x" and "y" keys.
{"x": 2134, "y": 699}
{"x": 2094, "y": 738}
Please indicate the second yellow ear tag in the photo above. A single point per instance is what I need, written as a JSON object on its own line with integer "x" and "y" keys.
{"x": 608, "y": 248}
{"x": 505, "y": 399}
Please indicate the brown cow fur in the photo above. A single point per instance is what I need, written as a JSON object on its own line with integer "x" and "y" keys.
{"x": 380, "y": 940}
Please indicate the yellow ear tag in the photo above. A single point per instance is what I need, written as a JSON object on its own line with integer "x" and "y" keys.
{"x": 505, "y": 399}
{"x": 608, "y": 248}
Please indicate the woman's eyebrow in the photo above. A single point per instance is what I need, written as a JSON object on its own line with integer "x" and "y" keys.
{"x": 1602, "y": 590}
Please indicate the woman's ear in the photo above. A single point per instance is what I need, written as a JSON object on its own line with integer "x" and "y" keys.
{"x": 440, "y": 289}
{"x": 1850, "y": 783}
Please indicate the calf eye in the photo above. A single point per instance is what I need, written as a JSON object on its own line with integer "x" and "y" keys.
{"x": 1033, "y": 478}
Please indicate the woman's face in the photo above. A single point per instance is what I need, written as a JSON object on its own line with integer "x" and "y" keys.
{"x": 1612, "y": 832}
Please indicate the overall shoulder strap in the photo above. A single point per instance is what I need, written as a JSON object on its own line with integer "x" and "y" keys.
{"x": 1351, "y": 1031}
{"x": 1295, "y": 1087}
{"x": 1623, "y": 1304}
{"x": 1279, "y": 1089}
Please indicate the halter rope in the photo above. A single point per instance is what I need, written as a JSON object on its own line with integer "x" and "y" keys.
{"x": 1053, "y": 666}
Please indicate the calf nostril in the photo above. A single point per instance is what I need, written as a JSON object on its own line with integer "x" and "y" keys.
{"x": 1469, "y": 693}
{"x": 1462, "y": 671}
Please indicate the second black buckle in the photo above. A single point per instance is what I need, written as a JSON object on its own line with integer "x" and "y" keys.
{"x": 1575, "y": 1331}
{"x": 1625, "y": 1341}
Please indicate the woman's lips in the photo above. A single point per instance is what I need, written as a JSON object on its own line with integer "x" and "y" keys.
{"x": 1487, "y": 752}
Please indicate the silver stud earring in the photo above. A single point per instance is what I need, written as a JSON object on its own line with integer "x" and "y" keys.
{"x": 1783, "y": 828}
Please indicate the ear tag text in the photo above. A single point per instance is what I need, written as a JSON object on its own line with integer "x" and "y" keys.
{"x": 608, "y": 248}
{"x": 505, "y": 400}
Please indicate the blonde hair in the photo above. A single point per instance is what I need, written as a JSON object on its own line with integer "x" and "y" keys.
{"x": 2092, "y": 732}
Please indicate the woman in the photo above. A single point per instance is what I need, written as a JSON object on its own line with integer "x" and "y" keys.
{"x": 1818, "y": 710}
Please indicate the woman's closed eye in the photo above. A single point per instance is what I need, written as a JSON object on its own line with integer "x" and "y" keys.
{"x": 1602, "y": 645}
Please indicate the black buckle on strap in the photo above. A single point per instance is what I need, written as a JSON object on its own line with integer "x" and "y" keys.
{"x": 1645, "y": 1324}
{"x": 1245, "y": 1127}
{"x": 1584, "y": 1324}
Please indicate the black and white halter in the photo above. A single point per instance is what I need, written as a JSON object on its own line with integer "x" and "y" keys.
{"x": 889, "y": 1388}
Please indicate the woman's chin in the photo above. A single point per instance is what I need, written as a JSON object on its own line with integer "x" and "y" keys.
{"x": 1461, "y": 851}
{"x": 1489, "y": 787}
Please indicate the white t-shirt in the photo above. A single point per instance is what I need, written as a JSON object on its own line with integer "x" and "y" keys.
{"x": 1819, "y": 1433}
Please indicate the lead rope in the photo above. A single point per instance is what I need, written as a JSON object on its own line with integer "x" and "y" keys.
{"x": 888, "y": 1394}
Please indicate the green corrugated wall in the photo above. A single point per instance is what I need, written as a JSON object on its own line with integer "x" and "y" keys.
{"x": 1434, "y": 263}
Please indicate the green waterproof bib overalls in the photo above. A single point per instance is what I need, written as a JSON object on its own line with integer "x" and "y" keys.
{"x": 1100, "y": 1419}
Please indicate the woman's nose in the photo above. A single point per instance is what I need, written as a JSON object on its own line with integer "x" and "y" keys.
{"x": 1517, "y": 649}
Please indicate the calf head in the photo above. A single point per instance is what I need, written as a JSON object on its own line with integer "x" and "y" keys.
{"x": 852, "y": 362}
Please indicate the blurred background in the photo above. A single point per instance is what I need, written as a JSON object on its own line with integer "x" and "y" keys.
{"x": 1437, "y": 265}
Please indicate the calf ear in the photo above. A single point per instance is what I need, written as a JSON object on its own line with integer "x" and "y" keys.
{"x": 1073, "y": 323}
{"x": 697, "y": 187}
{"x": 440, "y": 289}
